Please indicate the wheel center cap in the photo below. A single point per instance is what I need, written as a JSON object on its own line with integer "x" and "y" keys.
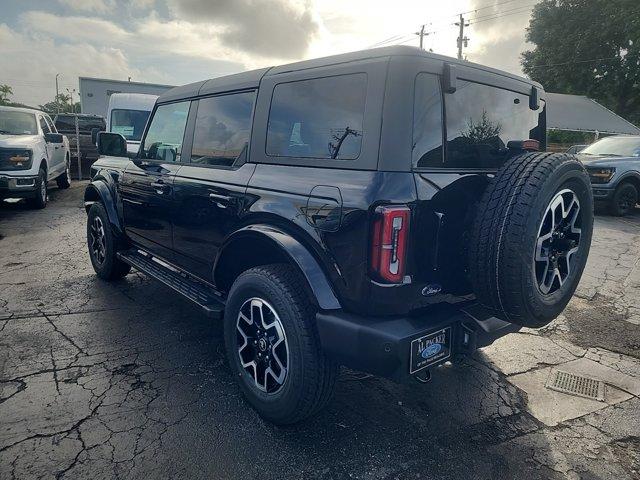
{"x": 262, "y": 344}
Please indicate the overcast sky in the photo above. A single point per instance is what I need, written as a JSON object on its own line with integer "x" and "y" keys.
{"x": 180, "y": 41}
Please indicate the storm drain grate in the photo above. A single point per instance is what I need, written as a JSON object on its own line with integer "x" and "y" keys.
{"x": 576, "y": 385}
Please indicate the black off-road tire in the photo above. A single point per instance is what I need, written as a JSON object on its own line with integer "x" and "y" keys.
{"x": 311, "y": 376}
{"x": 504, "y": 240}
{"x": 39, "y": 201}
{"x": 624, "y": 200}
{"x": 107, "y": 267}
{"x": 64, "y": 180}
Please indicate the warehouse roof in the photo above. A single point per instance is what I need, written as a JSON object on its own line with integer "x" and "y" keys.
{"x": 581, "y": 114}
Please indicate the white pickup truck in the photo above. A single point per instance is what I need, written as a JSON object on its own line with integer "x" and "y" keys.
{"x": 32, "y": 153}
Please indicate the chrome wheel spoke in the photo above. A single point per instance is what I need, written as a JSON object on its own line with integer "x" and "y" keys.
{"x": 262, "y": 345}
{"x": 558, "y": 241}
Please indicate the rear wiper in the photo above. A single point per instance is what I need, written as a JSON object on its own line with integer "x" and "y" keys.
{"x": 6, "y": 132}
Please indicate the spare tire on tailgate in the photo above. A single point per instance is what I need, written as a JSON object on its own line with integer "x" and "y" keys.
{"x": 531, "y": 237}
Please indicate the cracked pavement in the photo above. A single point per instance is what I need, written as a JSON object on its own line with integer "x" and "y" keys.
{"x": 129, "y": 380}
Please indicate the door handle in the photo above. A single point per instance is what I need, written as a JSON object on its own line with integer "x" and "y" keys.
{"x": 160, "y": 187}
{"x": 221, "y": 201}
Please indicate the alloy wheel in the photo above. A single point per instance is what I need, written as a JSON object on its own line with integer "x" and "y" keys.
{"x": 627, "y": 201}
{"x": 262, "y": 345}
{"x": 98, "y": 241}
{"x": 558, "y": 241}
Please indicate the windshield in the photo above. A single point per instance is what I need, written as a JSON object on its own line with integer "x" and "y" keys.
{"x": 615, "y": 146}
{"x": 17, "y": 123}
{"x": 129, "y": 123}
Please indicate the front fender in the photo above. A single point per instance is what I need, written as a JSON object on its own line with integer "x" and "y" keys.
{"x": 294, "y": 251}
{"x": 98, "y": 191}
{"x": 629, "y": 175}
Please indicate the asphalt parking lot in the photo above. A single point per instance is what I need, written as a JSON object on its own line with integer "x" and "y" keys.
{"x": 128, "y": 380}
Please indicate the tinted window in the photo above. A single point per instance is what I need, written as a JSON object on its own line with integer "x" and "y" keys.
{"x": 222, "y": 129}
{"x": 166, "y": 131}
{"x": 427, "y": 122}
{"x": 50, "y": 124}
{"x": 481, "y": 120}
{"x": 319, "y": 118}
{"x": 43, "y": 124}
{"x": 67, "y": 123}
{"x": 129, "y": 123}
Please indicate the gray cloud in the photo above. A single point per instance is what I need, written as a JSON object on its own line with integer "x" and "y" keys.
{"x": 498, "y": 42}
{"x": 273, "y": 28}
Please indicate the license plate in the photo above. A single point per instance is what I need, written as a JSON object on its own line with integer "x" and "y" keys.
{"x": 430, "y": 349}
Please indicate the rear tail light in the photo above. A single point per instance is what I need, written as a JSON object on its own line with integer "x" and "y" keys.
{"x": 389, "y": 243}
{"x": 533, "y": 145}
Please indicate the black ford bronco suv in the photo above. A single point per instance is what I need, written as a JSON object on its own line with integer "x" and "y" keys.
{"x": 387, "y": 210}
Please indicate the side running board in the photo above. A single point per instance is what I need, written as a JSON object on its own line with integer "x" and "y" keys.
{"x": 198, "y": 292}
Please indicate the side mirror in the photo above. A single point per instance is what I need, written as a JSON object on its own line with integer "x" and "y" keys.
{"x": 534, "y": 99}
{"x": 53, "y": 137}
{"x": 449, "y": 78}
{"x": 111, "y": 144}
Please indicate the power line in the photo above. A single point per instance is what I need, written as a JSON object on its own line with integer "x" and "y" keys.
{"x": 494, "y": 17}
{"x": 403, "y": 38}
{"x": 515, "y": 10}
{"x": 489, "y": 6}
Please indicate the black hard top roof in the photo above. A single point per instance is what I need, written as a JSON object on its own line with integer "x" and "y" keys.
{"x": 251, "y": 79}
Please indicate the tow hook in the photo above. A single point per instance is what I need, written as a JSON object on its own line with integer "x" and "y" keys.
{"x": 424, "y": 376}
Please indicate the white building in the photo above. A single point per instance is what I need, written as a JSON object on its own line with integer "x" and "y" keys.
{"x": 95, "y": 92}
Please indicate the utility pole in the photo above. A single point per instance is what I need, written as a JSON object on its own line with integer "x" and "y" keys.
{"x": 421, "y": 34}
{"x": 57, "y": 93}
{"x": 462, "y": 40}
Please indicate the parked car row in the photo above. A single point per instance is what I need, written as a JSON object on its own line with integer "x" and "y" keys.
{"x": 35, "y": 150}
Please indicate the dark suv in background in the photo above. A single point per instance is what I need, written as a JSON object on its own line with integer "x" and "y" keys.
{"x": 613, "y": 164}
{"x": 66, "y": 124}
{"x": 387, "y": 210}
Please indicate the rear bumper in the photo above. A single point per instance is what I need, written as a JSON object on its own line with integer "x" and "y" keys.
{"x": 382, "y": 346}
{"x": 18, "y": 186}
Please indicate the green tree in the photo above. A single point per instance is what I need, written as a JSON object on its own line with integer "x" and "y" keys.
{"x": 482, "y": 130}
{"x": 5, "y": 92}
{"x": 61, "y": 103}
{"x": 588, "y": 47}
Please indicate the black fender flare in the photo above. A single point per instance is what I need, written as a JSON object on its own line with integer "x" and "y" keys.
{"x": 296, "y": 252}
{"x": 98, "y": 190}
{"x": 629, "y": 176}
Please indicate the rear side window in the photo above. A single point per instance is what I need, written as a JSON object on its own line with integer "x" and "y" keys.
{"x": 222, "y": 129}
{"x": 427, "y": 122}
{"x": 318, "y": 118}
{"x": 166, "y": 132}
{"x": 66, "y": 123}
{"x": 481, "y": 120}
